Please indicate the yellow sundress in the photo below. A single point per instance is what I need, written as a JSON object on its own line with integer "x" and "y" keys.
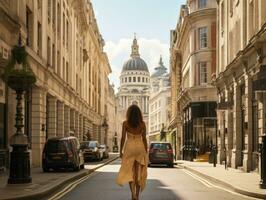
{"x": 134, "y": 151}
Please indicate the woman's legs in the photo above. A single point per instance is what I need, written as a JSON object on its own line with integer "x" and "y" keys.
{"x": 132, "y": 184}
{"x": 137, "y": 179}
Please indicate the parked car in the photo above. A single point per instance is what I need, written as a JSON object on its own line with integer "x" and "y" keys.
{"x": 62, "y": 152}
{"x": 105, "y": 150}
{"x": 161, "y": 153}
{"x": 92, "y": 150}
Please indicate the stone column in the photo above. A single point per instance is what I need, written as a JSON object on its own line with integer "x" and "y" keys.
{"x": 72, "y": 119}
{"x": 38, "y": 121}
{"x": 52, "y": 116}
{"x": 77, "y": 124}
{"x": 237, "y": 151}
{"x": 60, "y": 119}
{"x": 247, "y": 162}
{"x": 67, "y": 120}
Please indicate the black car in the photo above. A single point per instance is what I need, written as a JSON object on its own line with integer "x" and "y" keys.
{"x": 161, "y": 153}
{"x": 62, "y": 152}
{"x": 92, "y": 150}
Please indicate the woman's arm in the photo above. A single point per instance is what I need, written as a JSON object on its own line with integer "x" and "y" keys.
{"x": 123, "y": 138}
{"x": 144, "y": 139}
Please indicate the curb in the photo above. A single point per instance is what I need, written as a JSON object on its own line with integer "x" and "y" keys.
{"x": 225, "y": 184}
{"x": 47, "y": 191}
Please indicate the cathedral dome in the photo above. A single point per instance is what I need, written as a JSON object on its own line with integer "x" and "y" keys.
{"x": 135, "y": 62}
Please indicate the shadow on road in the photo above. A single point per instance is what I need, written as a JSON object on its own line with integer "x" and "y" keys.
{"x": 102, "y": 186}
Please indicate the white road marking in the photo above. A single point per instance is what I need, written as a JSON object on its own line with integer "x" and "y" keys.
{"x": 71, "y": 186}
{"x": 210, "y": 185}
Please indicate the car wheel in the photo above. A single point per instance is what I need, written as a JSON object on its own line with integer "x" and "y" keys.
{"x": 76, "y": 168}
{"x": 82, "y": 166}
{"x": 170, "y": 165}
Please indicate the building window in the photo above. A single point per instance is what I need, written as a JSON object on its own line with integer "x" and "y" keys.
{"x": 64, "y": 69}
{"x": 48, "y": 51}
{"x": 58, "y": 20}
{"x": 134, "y": 79}
{"x": 203, "y": 72}
{"x": 67, "y": 33}
{"x": 53, "y": 56}
{"x": 138, "y": 79}
{"x": 49, "y": 10}
{"x": 39, "y": 40}
{"x": 58, "y": 63}
{"x": 146, "y": 80}
{"x": 202, "y": 4}
{"x": 203, "y": 37}
{"x": 126, "y": 79}
{"x": 64, "y": 26}
{"x": 67, "y": 72}
{"x": 29, "y": 26}
{"x": 142, "y": 79}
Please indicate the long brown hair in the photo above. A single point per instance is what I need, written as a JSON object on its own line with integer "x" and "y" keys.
{"x": 134, "y": 116}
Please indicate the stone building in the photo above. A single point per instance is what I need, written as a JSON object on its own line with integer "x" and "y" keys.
{"x": 135, "y": 83}
{"x": 240, "y": 80}
{"x": 159, "y": 102}
{"x": 65, "y": 52}
{"x": 193, "y": 63}
{"x": 111, "y": 117}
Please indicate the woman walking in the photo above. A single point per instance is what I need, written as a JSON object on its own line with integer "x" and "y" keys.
{"x": 133, "y": 151}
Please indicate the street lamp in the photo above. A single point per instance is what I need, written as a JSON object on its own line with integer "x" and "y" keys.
{"x": 105, "y": 126}
{"x": 19, "y": 77}
{"x": 115, "y": 146}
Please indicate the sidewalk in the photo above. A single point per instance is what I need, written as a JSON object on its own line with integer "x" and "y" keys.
{"x": 233, "y": 179}
{"x": 44, "y": 184}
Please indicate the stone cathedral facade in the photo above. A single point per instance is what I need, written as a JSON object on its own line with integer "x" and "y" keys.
{"x": 135, "y": 83}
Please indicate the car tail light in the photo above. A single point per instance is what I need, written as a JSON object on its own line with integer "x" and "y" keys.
{"x": 170, "y": 151}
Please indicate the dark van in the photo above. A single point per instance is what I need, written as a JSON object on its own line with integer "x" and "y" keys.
{"x": 62, "y": 152}
{"x": 161, "y": 153}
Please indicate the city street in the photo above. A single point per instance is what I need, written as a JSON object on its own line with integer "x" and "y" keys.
{"x": 163, "y": 183}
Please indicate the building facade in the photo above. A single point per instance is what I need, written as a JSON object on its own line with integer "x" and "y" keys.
{"x": 241, "y": 81}
{"x": 65, "y": 52}
{"x": 193, "y": 64}
{"x": 135, "y": 83}
{"x": 111, "y": 117}
{"x": 159, "y": 103}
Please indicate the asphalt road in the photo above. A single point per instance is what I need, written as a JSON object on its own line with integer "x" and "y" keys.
{"x": 163, "y": 184}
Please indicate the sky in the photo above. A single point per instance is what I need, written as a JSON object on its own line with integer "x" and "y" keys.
{"x": 151, "y": 20}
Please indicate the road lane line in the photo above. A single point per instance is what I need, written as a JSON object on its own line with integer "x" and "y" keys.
{"x": 71, "y": 186}
{"x": 204, "y": 181}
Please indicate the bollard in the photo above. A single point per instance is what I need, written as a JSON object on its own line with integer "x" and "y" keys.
{"x": 214, "y": 155}
{"x": 263, "y": 163}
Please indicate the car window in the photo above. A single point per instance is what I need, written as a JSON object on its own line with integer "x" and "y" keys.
{"x": 56, "y": 146}
{"x": 84, "y": 145}
{"x": 162, "y": 146}
{"x": 93, "y": 144}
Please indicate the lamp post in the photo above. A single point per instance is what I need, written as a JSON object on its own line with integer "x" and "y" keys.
{"x": 115, "y": 146}
{"x": 105, "y": 126}
{"x": 20, "y": 78}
